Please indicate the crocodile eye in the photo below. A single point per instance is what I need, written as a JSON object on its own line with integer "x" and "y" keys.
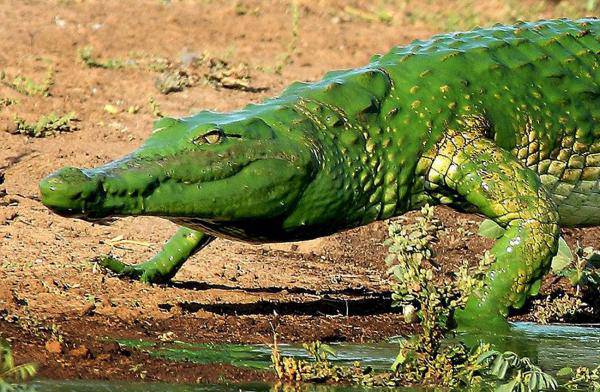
{"x": 213, "y": 137}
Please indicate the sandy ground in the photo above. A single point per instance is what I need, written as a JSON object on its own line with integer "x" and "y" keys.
{"x": 332, "y": 288}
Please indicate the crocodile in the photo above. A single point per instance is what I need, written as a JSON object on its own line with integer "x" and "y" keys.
{"x": 501, "y": 121}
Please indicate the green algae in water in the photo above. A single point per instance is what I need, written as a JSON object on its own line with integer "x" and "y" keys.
{"x": 109, "y": 386}
{"x": 379, "y": 356}
{"x": 241, "y": 355}
{"x": 550, "y": 346}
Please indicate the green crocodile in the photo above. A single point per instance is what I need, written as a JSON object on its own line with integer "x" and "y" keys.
{"x": 503, "y": 121}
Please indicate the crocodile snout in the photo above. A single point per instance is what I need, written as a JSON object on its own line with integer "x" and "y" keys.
{"x": 67, "y": 190}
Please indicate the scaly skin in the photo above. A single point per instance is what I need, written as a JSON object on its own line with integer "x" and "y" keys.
{"x": 503, "y": 121}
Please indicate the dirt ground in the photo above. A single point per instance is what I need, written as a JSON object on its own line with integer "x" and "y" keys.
{"x": 333, "y": 289}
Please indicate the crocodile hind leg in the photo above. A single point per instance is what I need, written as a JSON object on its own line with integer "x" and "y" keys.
{"x": 466, "y": 167}
{"x": 163, "y": 266}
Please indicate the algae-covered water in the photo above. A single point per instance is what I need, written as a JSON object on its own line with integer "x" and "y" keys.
{"x": 552, "y": 347}
{"x": 103, "y": 386}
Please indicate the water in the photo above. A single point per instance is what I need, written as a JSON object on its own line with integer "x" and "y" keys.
{"x": 552, "y": 347}
{"x": 105, "y": 386}
{"x": 560, "y": 346}
{"x": 378, "y": 356}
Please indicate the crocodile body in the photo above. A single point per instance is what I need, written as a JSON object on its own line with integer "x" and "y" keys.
{"x": 504, "y": 121}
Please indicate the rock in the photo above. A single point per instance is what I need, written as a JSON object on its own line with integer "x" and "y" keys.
{"x": 7, "y": 216}
{"x": 80, "y": 352}
{"x": 54, "y": 347}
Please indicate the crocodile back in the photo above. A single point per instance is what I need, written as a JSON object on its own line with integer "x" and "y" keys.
{"x": 532, "y": 87}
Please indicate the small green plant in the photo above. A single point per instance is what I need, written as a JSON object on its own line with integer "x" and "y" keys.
{"x": 319, "y": 351}
{"x": 582, "y": 269}
{"x": 557, "y": 308}
{"x": 173, "y": 80}
{"x": 429, "y": 297}
{"x": 154, "y": 107}
{"x": 433, "y": 297}
{"x": 581, "y": 378}
{"x": 520, "y": 373}
{"x": 10, "y": 373}
{"x": 286, "y": 57}
{"x": 322, "y": 370}
{"x": 177, "y": 76}
{"x": 157, "y": 64}
{"x": 6, "y": 102}
{"x": 87, "y": 57}
{"x": 27, "y": 86}
{"x": 47, "y": 125}
{"x": 221, "y": 74}
{"x": 379, "y": 16}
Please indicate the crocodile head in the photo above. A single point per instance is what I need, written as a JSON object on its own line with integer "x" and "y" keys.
{"x": 211, "y": 168}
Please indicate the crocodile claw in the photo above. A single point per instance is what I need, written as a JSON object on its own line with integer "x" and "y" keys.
{"x": 138, "y": 272}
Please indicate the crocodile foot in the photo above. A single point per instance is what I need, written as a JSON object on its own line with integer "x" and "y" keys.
{"x": 143, "y": 272}
{"x": 469, "y": 321}
{"x": 511, "y": 338}
{"x": 162, "y": 267}
{"x": 473, "y": 168}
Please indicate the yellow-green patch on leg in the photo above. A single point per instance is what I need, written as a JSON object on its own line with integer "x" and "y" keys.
{"x": 467, "y": 167}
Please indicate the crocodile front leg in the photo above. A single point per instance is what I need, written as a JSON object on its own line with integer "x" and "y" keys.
{"x": 465, "y": 167}
{"x": 162, "y": 267}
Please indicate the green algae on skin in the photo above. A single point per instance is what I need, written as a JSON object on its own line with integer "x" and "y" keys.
{"x": 502, "y": 121}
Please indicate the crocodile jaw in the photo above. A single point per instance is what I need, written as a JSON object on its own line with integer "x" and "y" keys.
{"x": 189, "y": 185}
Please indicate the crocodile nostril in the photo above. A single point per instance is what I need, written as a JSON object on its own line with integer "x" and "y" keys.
{"x": 71, "y": 174}
{"x": 66, "y": 177}
{"x": 67, "y": 189}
